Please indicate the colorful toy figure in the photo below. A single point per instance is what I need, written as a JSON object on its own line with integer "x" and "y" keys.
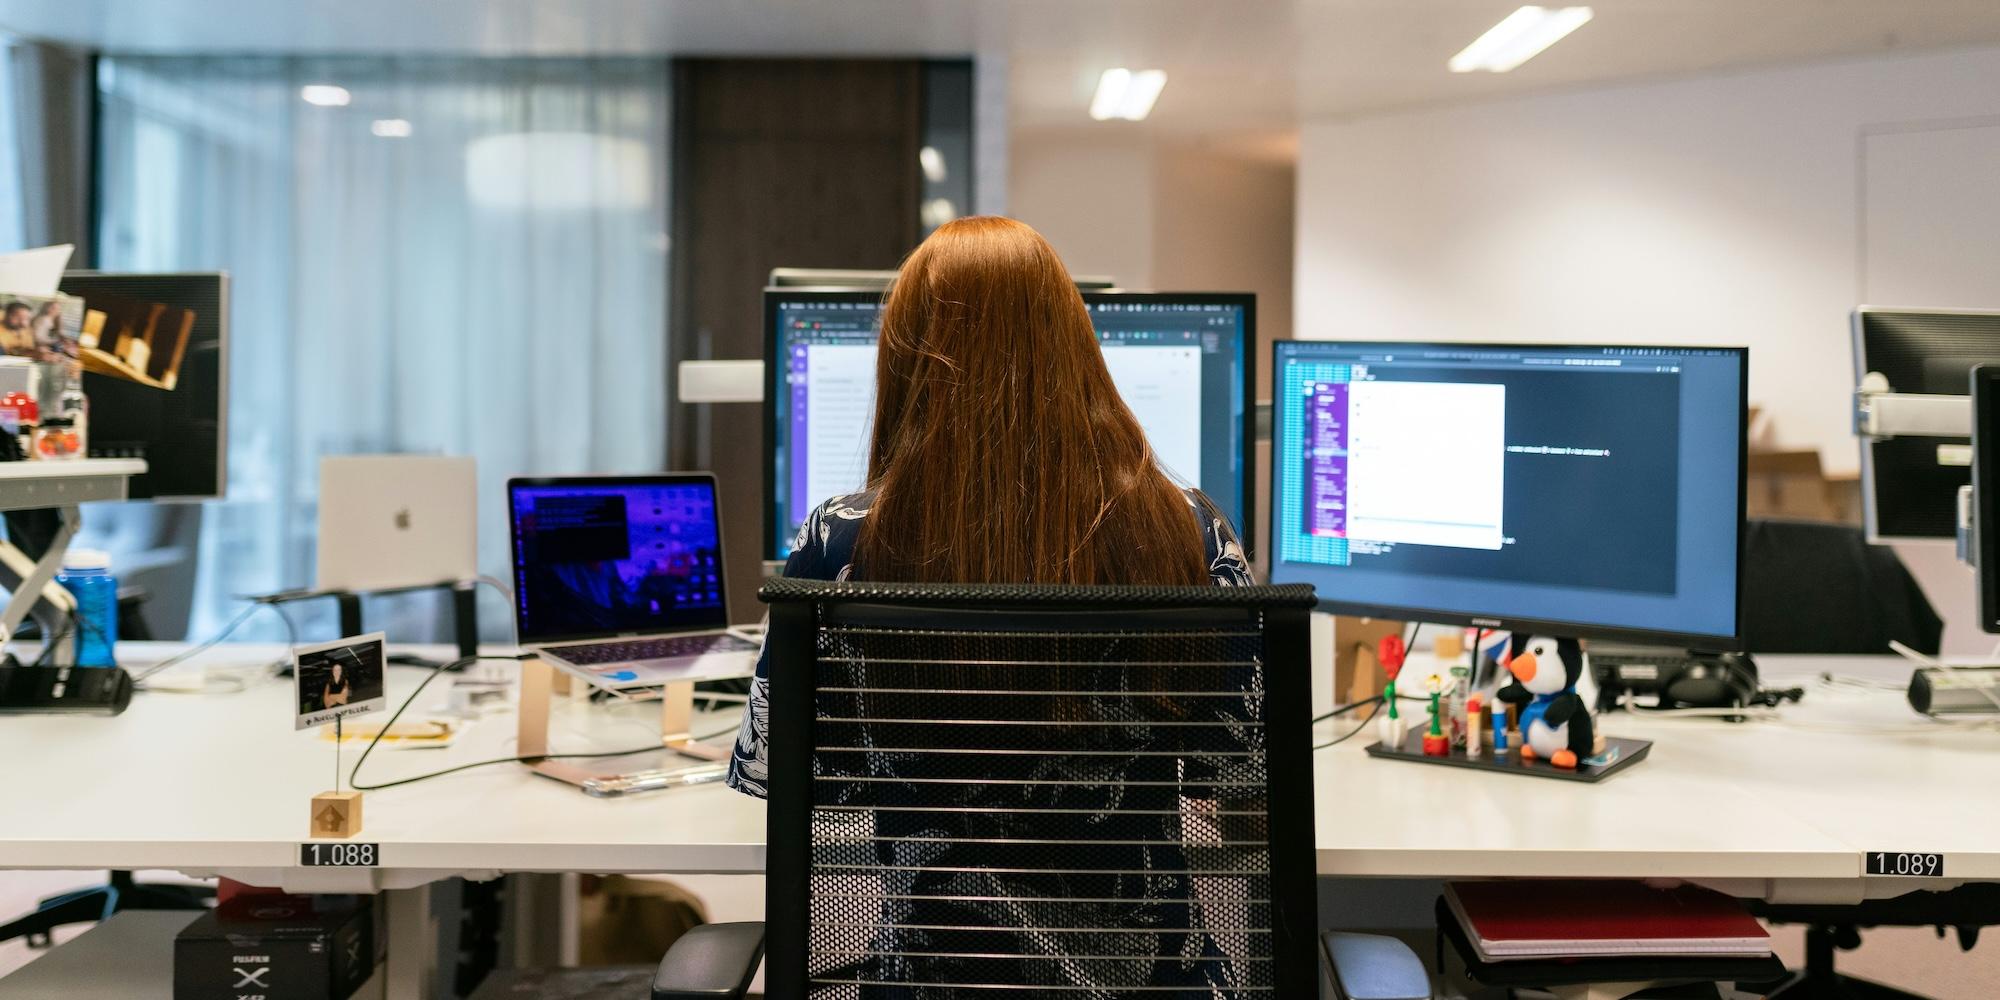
{"x": 1436, "y": 743}
{"x": 1392, "y": 727}
{"x": 1554, "y": 718}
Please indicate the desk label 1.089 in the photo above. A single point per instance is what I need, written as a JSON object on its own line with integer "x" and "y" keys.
{"x": 340, "y": 855}
{"x": 1906, "y": 864}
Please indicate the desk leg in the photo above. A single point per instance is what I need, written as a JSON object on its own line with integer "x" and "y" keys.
{"x": 539, "y": 925}
{"x": 1600, "y": 991}
{"x": 37, "y": 576}
{"x": 412, "y": 936}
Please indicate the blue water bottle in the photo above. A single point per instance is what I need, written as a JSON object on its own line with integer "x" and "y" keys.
{"x": 86, "y": 574}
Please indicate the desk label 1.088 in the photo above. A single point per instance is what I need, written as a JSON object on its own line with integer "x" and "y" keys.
{"x": 1907, "y": 864}
{"x": 332, "y": 855}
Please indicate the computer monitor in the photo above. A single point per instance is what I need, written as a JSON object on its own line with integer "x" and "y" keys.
{"x": 1910, "y": 482}
{"x": 1563, "y": 490}
{"x": 1985, "y": 548}
{"x": 182, "y": 431}
{"x": 1181, "y": 361}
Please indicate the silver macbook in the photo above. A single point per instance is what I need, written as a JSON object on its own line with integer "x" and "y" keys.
{"x": 388, "y": 522}
{"x": 620, "y": 580}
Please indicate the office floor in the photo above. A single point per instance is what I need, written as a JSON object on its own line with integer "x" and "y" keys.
{"x": 1913, "y": 959}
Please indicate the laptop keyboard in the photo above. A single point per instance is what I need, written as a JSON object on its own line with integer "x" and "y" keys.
{"x": 665, "y": 648}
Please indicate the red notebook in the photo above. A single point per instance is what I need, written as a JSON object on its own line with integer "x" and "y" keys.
{"x": 1594, "y": 918}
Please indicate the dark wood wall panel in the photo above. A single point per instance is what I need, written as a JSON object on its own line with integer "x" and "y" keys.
{"x": 778, "y": 163}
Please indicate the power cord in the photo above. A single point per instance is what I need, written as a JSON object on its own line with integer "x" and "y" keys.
{"x": 354, "y": 776}
{"x": 1344, "y": 737}
{"x": 186, "y": 655}
{"x": 1344, "y": 709}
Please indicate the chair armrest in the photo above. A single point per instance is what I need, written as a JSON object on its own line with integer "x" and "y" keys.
{"x": 711, "y": 962}
{"x": 1373, "y": 967}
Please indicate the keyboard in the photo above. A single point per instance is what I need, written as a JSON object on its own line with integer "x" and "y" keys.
{"x": 660, "y": 648}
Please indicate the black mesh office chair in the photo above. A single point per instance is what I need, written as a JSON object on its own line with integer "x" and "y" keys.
{"x": 979, "y": 791}
{"x": 1810, "y": 587}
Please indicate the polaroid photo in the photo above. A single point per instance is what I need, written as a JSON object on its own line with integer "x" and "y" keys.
{"x": 335, "y": 680}
{"x": 44, "y": 328}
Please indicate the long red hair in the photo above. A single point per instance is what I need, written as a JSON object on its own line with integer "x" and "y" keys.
{"x": 1002, "y": 452}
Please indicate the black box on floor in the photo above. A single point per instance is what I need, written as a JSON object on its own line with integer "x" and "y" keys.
{"x": 277, "y": 948}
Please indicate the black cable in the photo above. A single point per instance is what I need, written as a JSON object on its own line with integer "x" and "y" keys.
{"x": 49, "y": 647}
{"x": 1344, "y": 709}
{"x": 1363, "y": 724}
{"x": 354, "y": 776}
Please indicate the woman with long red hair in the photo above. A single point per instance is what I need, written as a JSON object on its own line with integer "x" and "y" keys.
{"x": 1001, "y": 451}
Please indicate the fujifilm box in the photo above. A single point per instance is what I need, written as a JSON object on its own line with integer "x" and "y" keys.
{"x": 277, "y": 948}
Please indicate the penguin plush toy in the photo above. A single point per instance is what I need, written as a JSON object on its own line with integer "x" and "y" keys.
{"x": 1556, "y": 719}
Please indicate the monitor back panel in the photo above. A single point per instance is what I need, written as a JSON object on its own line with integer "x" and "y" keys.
{"x": 394, "y": 521}
{"x": 1910, "y": 484}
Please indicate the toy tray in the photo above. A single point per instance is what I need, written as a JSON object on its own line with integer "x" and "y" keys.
{"x": 1623, "y": 753}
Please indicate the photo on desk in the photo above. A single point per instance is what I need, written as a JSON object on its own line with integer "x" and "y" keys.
{"x": 338, "y": 679}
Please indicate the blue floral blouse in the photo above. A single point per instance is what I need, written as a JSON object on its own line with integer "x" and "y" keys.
{"x": 824, "y": 550}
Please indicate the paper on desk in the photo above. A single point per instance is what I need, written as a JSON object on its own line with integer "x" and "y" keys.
{"x": 34, "y": 272}
{"x": 427, "y": 732}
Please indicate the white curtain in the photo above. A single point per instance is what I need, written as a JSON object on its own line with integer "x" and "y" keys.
{"x": 468, "y": 257}
{"x": 13, "y": 199}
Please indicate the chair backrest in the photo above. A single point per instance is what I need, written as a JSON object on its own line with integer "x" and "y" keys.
{"x": 1810, "y": 587}
{"x": 986, "y": 791}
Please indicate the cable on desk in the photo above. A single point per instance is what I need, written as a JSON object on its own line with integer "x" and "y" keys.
{"x": 1344, "y": 737}
{"x": 354, "y": 776}
{"x": 185, "y": 655}
{"x": 1344, "y": 709}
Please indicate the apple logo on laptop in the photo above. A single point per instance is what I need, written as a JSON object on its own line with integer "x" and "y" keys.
{"x": 403, "y": 519}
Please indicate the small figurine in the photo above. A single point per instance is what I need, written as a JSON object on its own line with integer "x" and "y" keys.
{"x": 1436, "y": 743}
{"x": 1557, "y": 722}
{"x": 1393, "y": 727}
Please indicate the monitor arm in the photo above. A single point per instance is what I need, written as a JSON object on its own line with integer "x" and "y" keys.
{"x": 1880, "y": 413}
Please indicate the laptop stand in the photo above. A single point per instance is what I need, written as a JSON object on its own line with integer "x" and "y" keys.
{"x": 540, "y": 682}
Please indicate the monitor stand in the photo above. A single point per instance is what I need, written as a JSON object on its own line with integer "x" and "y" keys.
{"x": 464, "y": 618}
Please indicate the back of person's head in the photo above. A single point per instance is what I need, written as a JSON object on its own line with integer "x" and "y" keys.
{"x": 1002, "y": 452}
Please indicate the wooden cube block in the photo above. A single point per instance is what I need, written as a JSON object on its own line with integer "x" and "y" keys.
{"x": 336, "y": 814}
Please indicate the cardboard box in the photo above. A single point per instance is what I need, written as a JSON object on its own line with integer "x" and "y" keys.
{"x": 1357, "y": 674}
{"x": 277, "y": 947}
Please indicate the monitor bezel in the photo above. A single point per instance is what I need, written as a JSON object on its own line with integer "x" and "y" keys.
{"x": 665, "y": 479}
{"x": 1698, "y": 641}
{"x": 141, "y": 487}
{"x": 1248, "y": 352}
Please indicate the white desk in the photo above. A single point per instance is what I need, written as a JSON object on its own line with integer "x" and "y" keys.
{"x": 1780, "y": 809}
{"x": 220, "y": 784}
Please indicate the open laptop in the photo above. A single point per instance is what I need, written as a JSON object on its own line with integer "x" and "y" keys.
{"x": 389, "y": 522}
{"x": 619, "y": 580}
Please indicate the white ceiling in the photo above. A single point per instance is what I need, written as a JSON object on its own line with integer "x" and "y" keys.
{"x": 1236, "y": 66}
